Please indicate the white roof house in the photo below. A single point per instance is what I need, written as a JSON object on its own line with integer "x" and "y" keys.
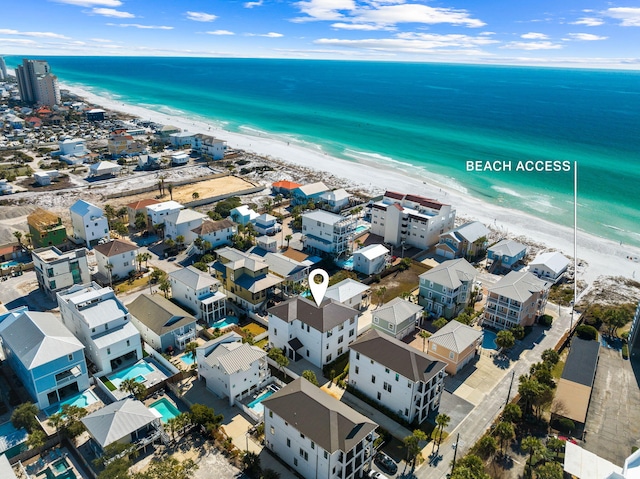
{"x": 370, "y": 259}
{"x": 243, "y": 214}
{"x": 313, "y": 188}
{"x": 104, "y": 168}
{"x": 118, "y": 421}
{"x": 583, "y": 464}
{"x": 549, "y": 265}
{"x": 518, "y": 286}
{"x": 346, "y": 291}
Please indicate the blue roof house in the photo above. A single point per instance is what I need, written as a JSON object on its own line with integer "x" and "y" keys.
{"x": 45, "y": 355}
{"x": 506, "y": 254}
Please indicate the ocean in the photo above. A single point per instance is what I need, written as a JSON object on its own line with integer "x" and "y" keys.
{"x": 428, "y": 120}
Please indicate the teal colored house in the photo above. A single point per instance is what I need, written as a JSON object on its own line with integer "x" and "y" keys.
{"x": 505, "y": 254}
{"x": 397, "y": 318}
{"x": 45, "y": 355}
{"x": 446, "y": 289}
{"x": 304, "y": 193}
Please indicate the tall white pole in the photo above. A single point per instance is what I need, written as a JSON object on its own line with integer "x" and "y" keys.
{"x": 575, "y": 240}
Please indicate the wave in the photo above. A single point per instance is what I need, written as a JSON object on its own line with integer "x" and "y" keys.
{"x": 506, "y": 191}
{"x": 613, "y": 227}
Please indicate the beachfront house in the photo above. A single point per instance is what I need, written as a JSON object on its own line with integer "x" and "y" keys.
{"x": 396, "y": 375}
{"x": 507, "y": 254}
{"x": 284, "y": 188}
{"x": 371, "y": 259}
{"x": 351, "y": 293}
{"x": 466, "y": 241}
{"x": 517, "y": 299}
{"x": 158, "y": 212}
{"x": 549, "y": 266}
{"x": 266, "y": 224}
{"x": 90, "y": 225}
{"x": 139, "y": 207}
{"x": 104, "y": 168}
{"x": 317, "y": 435}
{"x": 335, "y": 200}
{"x": 231, "y": 368}
{"x": 46, "y": 229}
{"x": 162, "y": 324}
{"x": 311, "y": 192}
{"x": 199, "y": 292}
{"x": 245, "y": 277}
{"x": 207, "y": 145}
{"x": 116, "y": 260}
{"x": 57, "y": 271}
{"x": 102, "y": 324}
{"x": 455, "y": 344}
{"x": 318, "y": 334}
{"x": 243, "y": 215}
{"x": 126, "y": 422}
{"x": 397, "y": 318}
{"x": 182, "y": 223}
{"x": 447, "y": 289}
{"x": 45, "y": 355}
{"x": 327, "y": 233}
{"x": 217, "y": 233}
{"x": 95, "y": 114}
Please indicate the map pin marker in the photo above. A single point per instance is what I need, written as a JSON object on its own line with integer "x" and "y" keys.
{"x": 318, "y": 289}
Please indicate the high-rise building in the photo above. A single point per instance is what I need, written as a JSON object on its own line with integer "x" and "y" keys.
{"x": 36, "y": 83}
{"x": 3, "y": 70}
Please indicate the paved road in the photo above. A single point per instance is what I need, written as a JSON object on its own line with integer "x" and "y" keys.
{"x": 482, "y": 416}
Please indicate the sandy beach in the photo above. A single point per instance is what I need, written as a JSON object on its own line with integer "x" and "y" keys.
{"x": 601, "y": 257}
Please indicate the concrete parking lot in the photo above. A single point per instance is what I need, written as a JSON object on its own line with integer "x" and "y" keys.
{"x": 613, "y": 419}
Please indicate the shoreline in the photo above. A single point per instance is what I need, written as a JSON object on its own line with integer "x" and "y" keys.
{"x": 603, "y": 257}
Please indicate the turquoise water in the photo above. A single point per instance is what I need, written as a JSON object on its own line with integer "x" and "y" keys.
{"x": 60, "y": 465}
{"x": 11, "y": 439}
{"x": 361, "y": 229}
{"x": 82, "y": 400}
{"x": 138, "y": 372}
{"x": 489, "y": 340}
{"x": 256, "y": 404}
{"x": 8, "y": 264}
{"x": 346, "y": 264}
{"x": 225, "y": 323}
{"x": 166, "y": 409}
{"x": 187, "y": 359}
{"x": 427, "y": 120}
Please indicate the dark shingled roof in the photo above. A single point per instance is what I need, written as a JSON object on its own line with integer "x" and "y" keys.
{"x": 159, "y": 314}
{"x": 582, "y": 362}
{"x": 210, "y": 226}
{"x": 324, "y": 318}
{"x": 331, "y": 424}
{"x": 115, "y": 247}
{"x": 397, "y": 356}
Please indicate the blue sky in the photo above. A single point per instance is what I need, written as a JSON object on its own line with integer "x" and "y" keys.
{"x": 587, "y": 33}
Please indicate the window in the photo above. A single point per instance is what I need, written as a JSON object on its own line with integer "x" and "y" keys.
{"x": 406, "y": 412}
{"x": 326, "y": 455}
{"x": 128, "y": 342}
{"x": 301, "y": 436}
{"x": 106, "y": 326}
{"x": 339, "y": 351}
{"x": 288, "y": 442}
{"x": 329, "y": 334}
{"x": 386, "y": 387}
{"x": 352, "y": 320}
{"x": 270, "y": 413}
{"x": 340, "y": 339}
{"x": 375, "y": 320}
{"x": 328, "y": 358}
{"x": 351, "y": 333}
{"x": 52, "y": 285}
{"x": 273, "y": 431}
{"x": 373, "y": 379}
{"x": 434, "y": 347}
{"x": 313, "y": 445}
{"x": 397, "y": 377}
{"x": 451, "y": 355}
{"x": 386, "y": 370}
{"x": 341, "y": 327}
{"x": 275, "y": 332}
{"x": 379, "y": 396}
{"x": 357, "y": 370}
{"x": 126, "y": 263}
{"x": 70, "y": 357}
{"x": 301, "y": 325}
{"x": 108, "y": 350}
{"x": 357, "y": 355}
{"x": 295, "y": 461}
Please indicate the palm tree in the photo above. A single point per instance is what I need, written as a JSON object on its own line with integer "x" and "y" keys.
{"x": 109, "y": 267}
{"x": 424, "y": 334}
{"x": 18, "y": 235}
{"x": 56, "y": 421}
{"x": 180, "y": 240}
{"x": 190, "y": 349}
{"x": 533, "y": 445}
{"x": 505, "y": 433}
{"x": 139, "y": 260}
{"x": 442, "y": 421}
{"x": 172, "y": 424}
{"x": 165, "y": 286}
{"x": 170, "y": 188}
{"x": 147, "y": 257}
{"x": 380, "y": 293}
{"x": 288, "y": 238}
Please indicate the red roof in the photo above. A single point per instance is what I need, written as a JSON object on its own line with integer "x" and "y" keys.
{"x": 394, "y": 195}
{"x": 286, "y": 185}
{"x": 138, "y": 205}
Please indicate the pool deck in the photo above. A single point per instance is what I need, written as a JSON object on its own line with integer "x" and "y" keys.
{"x": 151, "y": 379}
{"x": 44, "y": 419}
{"x": 38, "y": 464}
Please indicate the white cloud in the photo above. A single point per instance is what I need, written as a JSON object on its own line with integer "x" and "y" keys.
{"x": 253, "y": 4}
{"x": 18, "y": 41}
{"x": 324, "y": 9}
{"x": 630, "y": 16}
{"x": 220, "y": 32}
{"x": 201, "y": 16}
{"x": 92, "y": 3}
{"x": 360, "y": 26}
{"x": 588, "y": 22}
{"x": 101, "y": 40}
{"x": 267, "y": 35}
{"x": 585, "y": 37}
{"x": 112, "y": 12}
{"x": 143, "y": 27}
{"x": 7, "y": 31}
{"x": 535, "y": 36}
{"x": 532, "y": 46}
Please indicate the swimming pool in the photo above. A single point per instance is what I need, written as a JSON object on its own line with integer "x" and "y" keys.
{"x": 188, "y": 359}
{"x": 256, "y": 404}
{"x": 60, "y": 465}
{"x": 82, "y": 400}
{"x": 489, "y": 340}
{"x": 165, "y": 409}
{"x": 346, "y": 264}
{"x": 138, "y": 372}
{"x": 361, "y": 229}
{"x": 11, "y": 439}
{"x": 9, "y": 264}
{"x": 225, "y": 323}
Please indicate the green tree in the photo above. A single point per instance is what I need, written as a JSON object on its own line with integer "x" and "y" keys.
{"x": 18, "y": 236}
{"x": 549, "y": 470}
{"x": 56, "y": 421}
{"x": 165, "y": 287}
{"x": 270, "y": 474}
{"x": 487, "y": 446}
{"x": 505, "y": 340}
{"x": 205, "y": 416}
{"x": 533, "y": 446}
{"x": 440, "y": 322}
{"x": 251, "y": 464}
{"x": 414, "y": 450}
{"x": 140, "y": 221}
{"x": 424, "y": 334}
{"x": 116, "y": 469}
{"x": 180, "y": 240}
{"x": 518, "y": 332}
{"x": 36, "y": 439}
{"x": 191, "y": 349}
{"x": 512, "y": 413}
{"x": 505, "y": 433}
{"x": 288, "y": 238}
{"x": 380, "y": 292}
{"x": 137, "y": 389}
{"x": 170, "y": 189}
{"x": 614, "y": 318}
{"x": 442, "y": 421}
{"x": 470, "y": 467}
{"x": 550, "y": 356}
{"x": 195, "y": 195}
{"x": 310, "y": 376}
{"x": 168, "y": 468}
{"x": 24, "y": 416}
{"x": 109, "y": 268}
{"x": 278, "y": 356}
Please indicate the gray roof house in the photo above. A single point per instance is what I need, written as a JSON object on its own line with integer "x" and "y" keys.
{"x": 396, "y": 318}
{"x": 161, "y": 323}
{"x": 329, "y": 315}
{"x": 446, "y": 289}
{"x": 466, "y": 241}
{"x": 350, "y": 293}
{"x": 126, "y": 421}
{"x": 506, "y": 254}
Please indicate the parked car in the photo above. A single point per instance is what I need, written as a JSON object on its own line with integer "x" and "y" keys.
{"x": 385, "y": 463}
{"x": 376, "y": 475}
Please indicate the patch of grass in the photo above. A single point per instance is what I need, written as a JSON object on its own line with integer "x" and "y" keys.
{"x": 556, "y": 372}
{"x": 625, "y": 351}
{"x": 399, "y": 282}
{"x": 136, "y": 284}
{"x": 108, "y": 383}
{"x": 262, "y": 343}
{"x": 340, "y": 365}
{"x": 254, "y": 328}
{"x": 561, "y": 294}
